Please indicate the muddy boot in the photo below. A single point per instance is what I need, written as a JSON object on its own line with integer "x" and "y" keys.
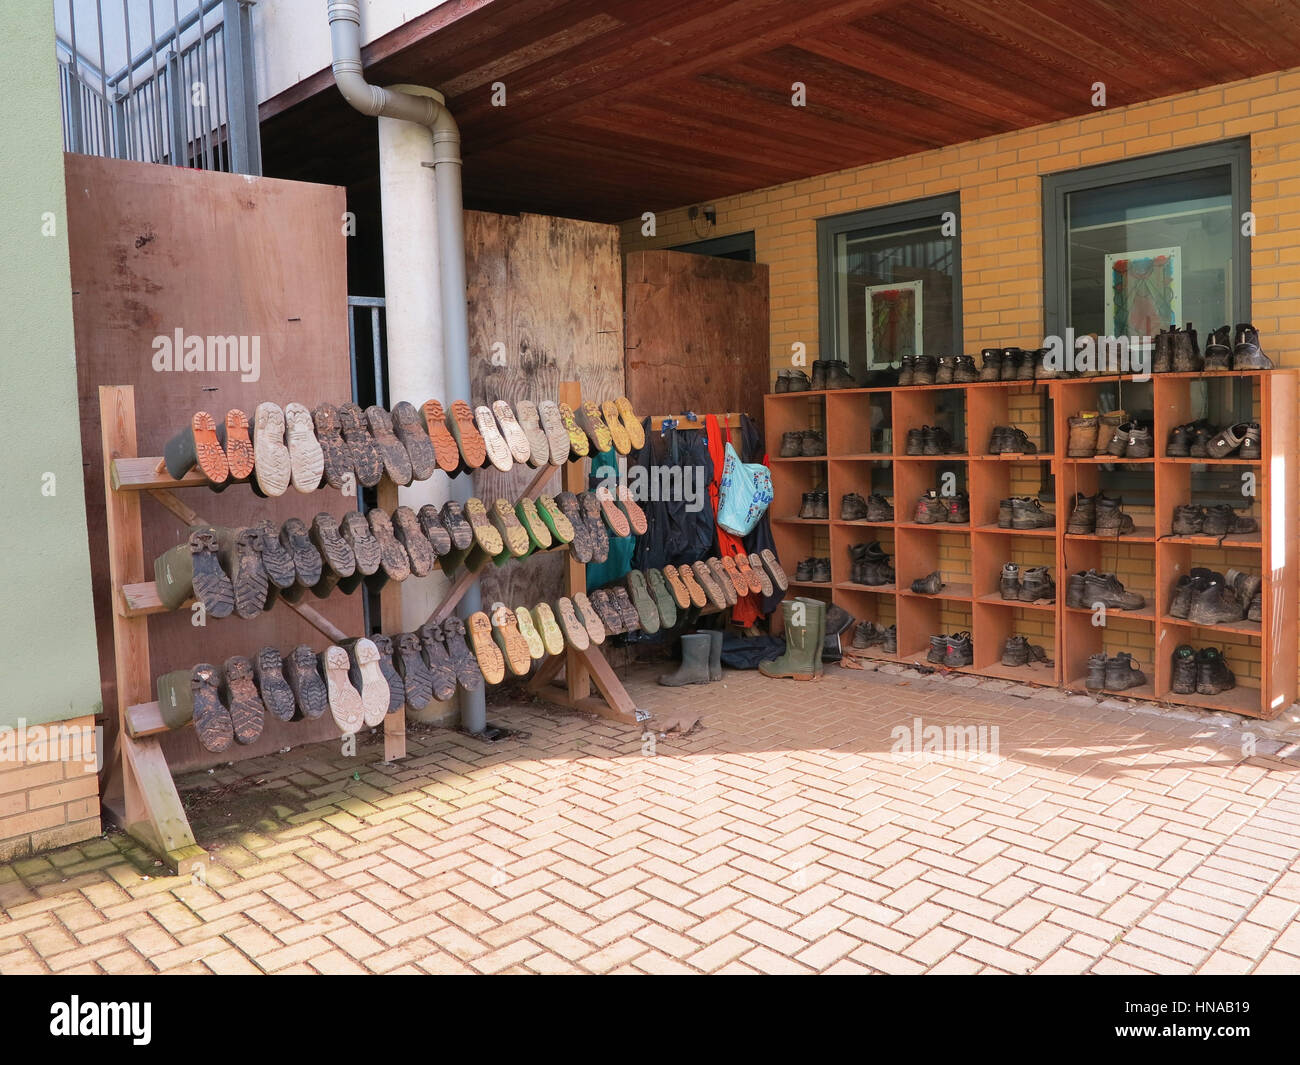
{"x": 277, "y": 559}
{"x": 539, "y": 536}
{"x": 676, "y": 587}
{"x": 590, "y": 508}
{"x": 335, "y": 455}
{"x": 368, "y": 678}
{"x": 1076, "y": 591}
{"x": 1111, "y": 519}
{"x": 588, "y": 615}
{"x": 396, "y": 459}
{"x": 1212, "y": 673}
{"x": 931, "y": 584}
{"x": 367, "y": 460}
{"x": 1187, "y": 352}
{"x": 803, "y": 647}
{"x": 1027, "y": 513}
{"x": 212, "y": 721}
{"x": 305, "y": 681}
{"x": 530, "y": 424}
{"x": 991, "y": 368}
{"x": 1247, "y": 354}
{"x": 410, "y": 431}
{"x": 695, "y": 662}
{"x": 938, "y": 649}
{"x": 434, "y": 530}
{"x": 510, "y": 641}
{"x": 396, "y": 687}
{"x": 1009, "y": 582}
{"x": 1162, "y": 358}
{"x": 498, "y": 451}
{"x": 1015, "y": 652}
{"x": 1188, "y": 520}
{"x": 344, "y": 699}
{"x": 1182, "y": 672}
{"x": 1255, "y": 612}
{"x": 393, "y": 559}
{"x": 408, "y": 660}
{"x": 338, "y": 561}
{"x": 468, "y": 674}
{"x": 1218, "y": 350}
{"x": 1082, "y": 442}
{"x": 197, "y": 445}
{"x": 1108, "y": 430}
{"x": 277, "y": 696}
{"x": 1106, "y": 588}
{"x": 958, "y": 650}
{"x": 558, "y": 627}
{"x": 715, "y": 654}
{"x": 419, "y": 552}
{"x": 611, "y": 618}
{"x": 557, "y": 435}
{"x": 239, "y": 693}
{"x": 1037, "y": 585}
{"x": 433, "y": 641}
{"x": 193, "y": 569}
{"x": 1122, "y": 673}
{"x": 1096, "y": 672}
{"x": 271, "y": 463}
{"x": 241, "y": 556}
{"x": 1214, "y": 604}
{"x": 889, "y": 640}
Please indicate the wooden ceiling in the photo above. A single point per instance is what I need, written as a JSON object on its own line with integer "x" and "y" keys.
{"x": 615, "y": 107}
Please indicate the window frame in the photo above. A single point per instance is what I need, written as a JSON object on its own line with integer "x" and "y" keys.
{"x": 728, "y": 247}
{"x": 880, "y": 221}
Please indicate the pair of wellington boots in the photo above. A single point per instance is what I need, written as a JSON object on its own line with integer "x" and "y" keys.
{"x": 701, "y": 660}
{"x": 805, "y": 635}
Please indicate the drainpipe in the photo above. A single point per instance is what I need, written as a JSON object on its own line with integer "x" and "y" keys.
{"x": 414, "y": 127}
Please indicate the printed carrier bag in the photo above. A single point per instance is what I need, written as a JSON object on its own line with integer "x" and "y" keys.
{"x": 743, "y": 494}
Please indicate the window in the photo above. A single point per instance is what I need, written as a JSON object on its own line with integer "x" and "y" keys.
{"x": 889, "y": 283}
{"x": 1133, "y": 247}
{"x": 739, "y": 246}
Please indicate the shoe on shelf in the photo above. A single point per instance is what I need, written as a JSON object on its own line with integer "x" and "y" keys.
{"x": 930, "y": 509}
{"x": 1108, "y": 427}
{"x": 931, "y": 584}
{"x": 1037, "y": 584}
{"x": 1111, "y": 519}
{"x": 1082, "y": 441}
{"x": 1109, "y": 590}
{"x": 1218, "y": 350}
{"x": 1122, "y": 673}
{"x": 1183, "y": 669}
{"x": 1213, "y": 676}
{"x": 958, "y": 650}
{"x": 963, "y": 370}
{"x": 1009, "y": 582}
{"x": 1028, "y": 513}
{"x": 1187, "y": 353}
{"x": 1247, "y": 354}
{"x": 1015, "y": 652}
{"x": 991, "y": 370}
{"x": 958, "y": 509}
{"x": 791, "y": 445}
{"x": 879, "y": 508}
{"x": 853, "y": 507}
{"x": 1162, "y": 348}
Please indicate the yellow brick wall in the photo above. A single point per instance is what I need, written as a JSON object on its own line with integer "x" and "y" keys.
{"x": 49, "y": 793}
{"x": 999, "y": 181}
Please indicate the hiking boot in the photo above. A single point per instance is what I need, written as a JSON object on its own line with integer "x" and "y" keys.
{"x": 998, "y": 440}
{"x": 838, "y": 375}
{"x": 1218, "y": 520}
{"x": 695, "y": 662}
{"x": 1179, "y": 445}
{"x": 915, "y": 444}
{"x": 865, "y": 634}
{"x": 1248, "y": 355}
{"x": 1096, "y": 672}
{"x": 814, "y": 443}
{"x": 1182, "y": 671}
{"x": 963, "y": 370}
{"x": 1188, "y": 520}
{"x": 837, "y": 620}
{"x": 1245, "y": 586}
{"x": 1108, "y": 428}
{"x": 1122, "y": 673}
{"x": 1083, "y": 515}
{"x": 821, "y": 571}
{"x": 930, "y": 509}
{"x": 959, "y": 509}
{"x": 1226, "y": 441}
{"x": 1218, "y": 350}
{"x": 1255, "y": 612}
{"x": 1082, "y": 441}
{"x": 1043, "y": 372}
{"x": 1029, "y": 514}
{"x": 991, "y": 370}
{"x": 1015, "y": 652}
{"x": 803, "y": 572}
{"x": 907, "y": 370}
{"x": 1187, "y": 353}
{"x": 791, "y": 444}
{"x": 958, "y": 650}
{"x": 1037, "y": 584}
{"x": 1076, "y": 591}
{"x": 853, "y": 508}
{"x": 1111, "y": 519}
{"x": 803, "y": 643}
{"x": 1251, "y": 442}
{"x": 938, "y": 650}
{"x": 1137, "y": 441}
{"x": 1011, "y": 441}
{"x": 936, "y": 441}
{"x": 1186, "y": 588}
{"x": 1213, "y": 604}
{"x": 932, "y": 584}
{"x": 1202, "y": 434}
{"x": 819, "y": 368}
{"x": 1009, "y": 582}
{"x": 798, "y": 382}
{"x": 1106, "y": 588}
{"x": 1162, "y": 359}
{"x": 943, "y": 370}
{"x": 1005, "y": 513}
{"x": 1212, "y": 673}
{"x": 889, "y": 641}
{"x": 1013, "y": 359}
{"x": 924, "y": 370}
{"x": 879, "y": 508}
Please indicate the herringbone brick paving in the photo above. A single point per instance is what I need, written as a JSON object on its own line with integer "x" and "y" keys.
{"x": 781, "y": 836}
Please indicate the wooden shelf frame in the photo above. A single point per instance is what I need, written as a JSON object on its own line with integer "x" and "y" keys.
{"x": 848, "y": 467}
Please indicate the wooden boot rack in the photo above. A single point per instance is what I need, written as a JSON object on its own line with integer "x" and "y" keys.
{"x": 137, "y": 790}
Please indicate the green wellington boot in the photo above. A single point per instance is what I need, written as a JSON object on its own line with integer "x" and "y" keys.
{"x": 803, "y": 643}
{"x": 817, "y": 610}
{"x": 695, "y": 663}
{"x": 193, "y": 568}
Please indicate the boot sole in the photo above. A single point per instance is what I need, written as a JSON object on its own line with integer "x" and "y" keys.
{"x": 738, "y": 584}
{"x": 344, "y": 700}
{"x": 209, "y": 456}
{"x": 433, "y": 529}
{"x": 307, "y": 684}
{"x": 445, "y": 448}
{"x": 646, "y": 611}
{"x": 397, "y": 462}
{"x": 469, "y": 674}
{"x": 491, "y": 662}
{"x": 306, "y": 456}
{"x": 691, "y": 583}
{"x": 530, "y": 424}
{"x": 498, "y": 452}
{"x": 561, "y": 528}
{"x": 589, "y": 617}
{"x": 528, "y": 630}
{"x": 516, "y": 440}
{"x": 582, "y": 543}
{"x": 277, "y": 696}
{"x": 211, "y": 584}
{"x": 558, "y": 437}
{"x": 374, "y": 688}
{"x": 412, "y": 436}
{"x": 610, "y": 616}
{"x": 614, "y": 424}
{"x": 712, "y": 589}
{"x": 417, "y": 679}
{"x": 663, "y": 598}
{"x": 539, "y": 536}
{"x": 513, "y": 534}
{"x": 635, "y": 515}
{"x": 367, "y": 461}
{"x": 614, "y": 518}
{"x": 270, "y": 453}
{"x": 336, "y": 556}
{"x": 436, "y": 656}
{"x": 212, "y": 724}
{"x": 239, "y": 446}
{"x": 458, "y": 527}
{"x": 335, "y": 455}
{"x": 627, "y": 612}
{"x": 355, "y": 530}
{"x": 510, "y": 641}
{"x": 250, "y": 581}
{"x": 306, "y": 559}
{"x": 247, "y": 711}
{"x": 575, "y": 632}
{"x": 766, "y": 586}
{"x": 486, "y": 536}
{"x": 277, "y": 559}
{"x": 590, "y": 421}
{"x": 678, "y": 588}
{"x": 393, "y": 559}
{"x": 579, "y": 444}
{"x": 591, "y": 513}
{"x": 631, "y": 423}
{"x": 419, "y": 552}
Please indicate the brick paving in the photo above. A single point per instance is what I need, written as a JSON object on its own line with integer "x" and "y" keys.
{"x": 781, "y": 836}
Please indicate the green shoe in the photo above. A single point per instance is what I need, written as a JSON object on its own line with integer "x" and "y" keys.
{"x": 539, "y": 536}
{"x": 803, "y": 644}
{"x": 644, "y": 602}
{"x": 663, "y": 598}
{"x": 561, "y": 528}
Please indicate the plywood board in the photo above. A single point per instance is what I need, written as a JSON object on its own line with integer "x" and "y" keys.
{"x": 155, "y": 249}
{"x": 545, "y": 306}
{"x": 697, "y": 333}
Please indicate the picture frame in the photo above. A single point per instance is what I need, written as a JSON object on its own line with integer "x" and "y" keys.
{"x": 1144, "y": 291}
{"x": 894, "y": 322}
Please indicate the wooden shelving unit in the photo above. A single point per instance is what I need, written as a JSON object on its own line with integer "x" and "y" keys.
{"x": 866, "y": 431}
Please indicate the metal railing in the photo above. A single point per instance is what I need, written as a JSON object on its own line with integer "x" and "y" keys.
{"x": 187, "y": 98}
{"x": 368, "y": 328}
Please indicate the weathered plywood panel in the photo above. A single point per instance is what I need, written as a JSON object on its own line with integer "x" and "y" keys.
{"x": 155, "y": 249}
{"x": 696, "y": 333}
{"x": 549, "y": 292}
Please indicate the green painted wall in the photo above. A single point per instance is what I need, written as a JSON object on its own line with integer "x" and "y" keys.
{"x": 48, "y": 664}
